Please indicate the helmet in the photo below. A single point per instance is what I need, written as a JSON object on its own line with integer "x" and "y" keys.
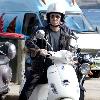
{"x": 55, "y": 8}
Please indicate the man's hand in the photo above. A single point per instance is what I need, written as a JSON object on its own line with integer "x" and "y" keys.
{"x": 35, "y": 52}
{"x": 43, "y": 52}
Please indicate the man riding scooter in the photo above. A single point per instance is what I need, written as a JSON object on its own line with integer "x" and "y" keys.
{"x": 58, "y": 35}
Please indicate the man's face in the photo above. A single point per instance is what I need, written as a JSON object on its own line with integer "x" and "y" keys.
{"x": 55, "y": 19}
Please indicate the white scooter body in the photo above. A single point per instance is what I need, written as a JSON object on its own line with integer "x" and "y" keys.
{"x": 62, "y": 80}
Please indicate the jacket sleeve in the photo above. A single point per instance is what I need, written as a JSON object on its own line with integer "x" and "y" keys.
{"x": 31, "y": 43}
{"x": 67, "y": 37}
{"x": 31, "y": 46}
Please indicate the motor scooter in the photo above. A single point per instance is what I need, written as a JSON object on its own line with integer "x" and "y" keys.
{"x": 7, "y": 52}
{"x": 65, "y": 78}
{"x": 62, "y": 79}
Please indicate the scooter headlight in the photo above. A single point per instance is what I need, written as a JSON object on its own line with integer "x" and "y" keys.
{"x": 85, "y": 68}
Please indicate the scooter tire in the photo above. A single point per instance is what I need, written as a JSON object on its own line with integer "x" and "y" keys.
{"x": 2, "y": 97}
{"x": 66, "y": 99}
{"x": 81, "y": 94}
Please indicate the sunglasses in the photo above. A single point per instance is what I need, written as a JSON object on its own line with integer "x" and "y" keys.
{"x": 55, "y": 16}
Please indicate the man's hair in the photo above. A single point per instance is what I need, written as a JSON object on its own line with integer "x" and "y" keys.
{"x": 48, "y": 16}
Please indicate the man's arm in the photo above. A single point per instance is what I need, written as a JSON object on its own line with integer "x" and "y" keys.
{"x": 31, "y": 45}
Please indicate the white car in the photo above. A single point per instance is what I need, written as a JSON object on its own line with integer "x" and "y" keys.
{"x": 88, "y": 36}
{"x": 97, "y": 59}
{"x": 96, "y": 68}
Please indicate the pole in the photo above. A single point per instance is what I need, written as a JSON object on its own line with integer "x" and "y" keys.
{"x": 20, "y": 61}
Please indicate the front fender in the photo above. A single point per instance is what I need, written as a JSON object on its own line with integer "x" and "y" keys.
{"x": 6, "y": 73}
{"x": 63, "y": 82}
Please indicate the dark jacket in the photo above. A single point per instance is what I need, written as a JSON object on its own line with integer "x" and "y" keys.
{"x": 64, "y": 42}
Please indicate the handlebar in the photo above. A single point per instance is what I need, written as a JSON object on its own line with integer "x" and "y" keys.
{"x": 74, "y": 37}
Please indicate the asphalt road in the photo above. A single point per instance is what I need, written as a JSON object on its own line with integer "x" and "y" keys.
{"x": 14, "y": 92}
{"x": 92, "y": 87}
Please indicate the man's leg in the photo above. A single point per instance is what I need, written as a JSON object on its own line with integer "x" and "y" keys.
{"x": 33, "y": 79}
{"x": 29, "y": 86}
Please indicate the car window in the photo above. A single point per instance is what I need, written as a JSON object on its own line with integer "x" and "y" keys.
{"x": 78, "y": 23}
{"x": 93, "y": 16}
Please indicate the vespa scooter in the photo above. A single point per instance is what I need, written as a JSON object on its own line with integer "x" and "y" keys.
{"x": 62, "y": 79}
{"x": 7, "y": 52}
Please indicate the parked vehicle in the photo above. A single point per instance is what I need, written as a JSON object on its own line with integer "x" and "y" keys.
{"x": 93, "y": 20}
{"x": 96, "y": 68}
{"x": 85, "y": 31}
{"x": 26, "y": 19}
{"x": 7, "y": 52}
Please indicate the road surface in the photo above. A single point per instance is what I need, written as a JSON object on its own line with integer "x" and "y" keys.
{"x": 92, "y": 90}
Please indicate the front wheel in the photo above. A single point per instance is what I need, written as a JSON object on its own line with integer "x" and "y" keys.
{"x": 81, "y": 94}
{"x": 2, "y": 97}
{"x": 66, "y": 99}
